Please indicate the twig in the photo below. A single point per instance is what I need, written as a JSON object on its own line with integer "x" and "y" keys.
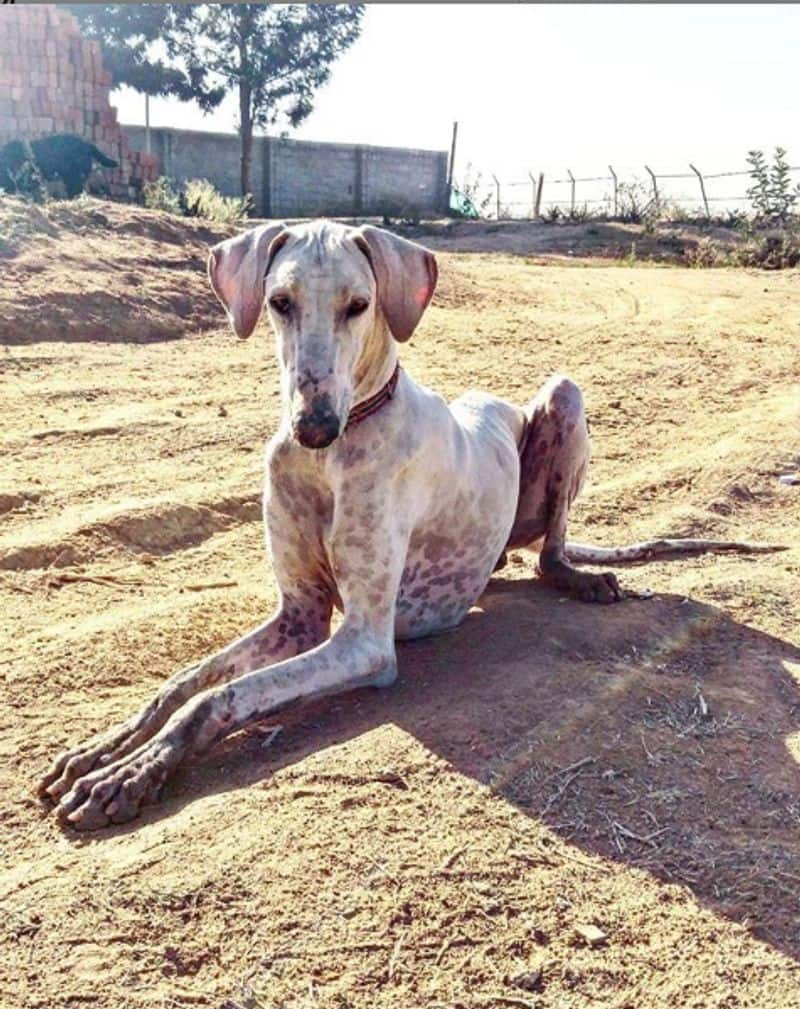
{"x": 557, "y": 794}
{"x": 452, "y": 858}
{"x": 199, "y": 587}
{"x": 66, "y": 579}
{"x": 571, "y": 767}
{"x": 642, "y": 838}
{"x": 269, "y": 736}
{"x": 395, "y": 953}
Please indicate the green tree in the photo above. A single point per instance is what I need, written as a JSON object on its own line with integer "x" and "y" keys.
{"x": 274, "y": 56}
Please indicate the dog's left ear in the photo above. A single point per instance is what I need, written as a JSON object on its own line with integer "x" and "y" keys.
{"x": 405, "y": 277}
{"x": 237, "y": 268}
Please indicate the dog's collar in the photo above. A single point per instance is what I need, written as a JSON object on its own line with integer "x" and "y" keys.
{"x": 369, "y": 406}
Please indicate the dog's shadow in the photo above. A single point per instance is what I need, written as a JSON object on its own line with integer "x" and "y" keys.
{"x": 656, "y": 733}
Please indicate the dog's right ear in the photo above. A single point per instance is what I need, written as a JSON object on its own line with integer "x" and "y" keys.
{"x": 237, "y": 268}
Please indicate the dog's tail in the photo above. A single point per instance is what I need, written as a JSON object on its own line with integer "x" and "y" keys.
{"x": 102, "y": 159}
{"x": 650, "y": 550}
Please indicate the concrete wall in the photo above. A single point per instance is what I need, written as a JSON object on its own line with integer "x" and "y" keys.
{"x": 298, "y": 178}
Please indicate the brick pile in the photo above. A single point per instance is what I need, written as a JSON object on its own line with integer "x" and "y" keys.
{"x": 52, "y": 81}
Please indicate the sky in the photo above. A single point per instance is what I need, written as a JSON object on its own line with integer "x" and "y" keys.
{"x": 556, "y": 87}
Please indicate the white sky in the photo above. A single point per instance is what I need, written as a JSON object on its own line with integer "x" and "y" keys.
{"x": 551, "y": 87}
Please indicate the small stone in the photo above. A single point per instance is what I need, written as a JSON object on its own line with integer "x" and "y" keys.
{"x": 591, "y": 935}
{"x": 528, "y": 980}
{"x": 178, "y": 413}
{"x": 222, "y": 411}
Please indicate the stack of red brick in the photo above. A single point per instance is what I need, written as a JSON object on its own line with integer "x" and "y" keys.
{"x": 52, "y": 81}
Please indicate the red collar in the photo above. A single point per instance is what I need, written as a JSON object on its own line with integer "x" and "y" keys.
{"x": 369, "y": 406}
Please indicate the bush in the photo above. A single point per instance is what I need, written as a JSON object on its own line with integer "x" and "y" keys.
{"x": 470, "y": 196}
{"x": 160, "y": 195}
{"x": 394, "y": 208}
{"x": 201, "y": 199}
{"x": 771, "y": 194}
{"x": 778, "y": 250}
{"x": 198, "y": 198}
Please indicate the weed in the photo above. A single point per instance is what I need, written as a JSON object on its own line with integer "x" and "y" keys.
{"x": 470, "y": 197}
{"x": 771, "y": 193}
{"x": 198, "y": 198}
{"x": 161, "y": 195}
{"x": 201, "y": 199}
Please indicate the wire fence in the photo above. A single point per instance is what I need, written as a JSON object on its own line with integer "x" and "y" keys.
{"x": 705, "y": 193}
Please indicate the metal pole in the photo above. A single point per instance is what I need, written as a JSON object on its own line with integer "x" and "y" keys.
{"x": 533, "y": 194}
{"x": 571, "y": 193}
{"x": 537, "y": 210}
{"x": 651, "y": 173}
{"x": 702, "y": 190}
{"x": 452, "y": 160}
{"x": 497, "y": 203}
{"x": 147, "y": 146}
{"x": 616, "y": 190}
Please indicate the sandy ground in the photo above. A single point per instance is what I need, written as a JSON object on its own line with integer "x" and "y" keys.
{"x": 547, "y": 767}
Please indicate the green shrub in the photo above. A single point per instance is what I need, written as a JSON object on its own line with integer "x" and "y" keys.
{"x": 771, "y": 194}
{"x": 201, "y": 199}
{"x": 470, "y": 196}
{"x": 160, "y": 195}
{"x": 198, "y": 198}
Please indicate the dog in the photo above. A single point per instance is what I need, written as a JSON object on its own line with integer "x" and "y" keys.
{"x": 60, "y": 157}
{"x": 380, "y": 499}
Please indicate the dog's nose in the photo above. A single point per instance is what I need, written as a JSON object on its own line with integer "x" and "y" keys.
{"x": 318, "y": 426}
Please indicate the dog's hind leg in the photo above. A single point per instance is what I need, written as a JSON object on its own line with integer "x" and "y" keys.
{"x": 301, "y": 623}
{"x": 553, "y": 464}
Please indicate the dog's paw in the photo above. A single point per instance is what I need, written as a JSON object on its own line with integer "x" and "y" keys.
{"x": 117, "y": 792}
{"x": 600, "y": 588}
{"x": 72, "y": 765}
{"x": 585, "y": 585}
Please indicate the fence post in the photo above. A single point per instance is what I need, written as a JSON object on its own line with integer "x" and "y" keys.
{"x": 533, "y": 194}
{"x": 651, "y": 173}
{"x": 497, "y": 197}
{"x": 571, "y": 193}
{"x": 616, "y": 190}
{"x": 358, "y": 181}
{"x": 537, "y": 210}
{"x": 450, "y": 163}
{"x": 702, "y": 190}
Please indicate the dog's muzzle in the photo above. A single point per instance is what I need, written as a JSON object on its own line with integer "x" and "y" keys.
{"x": 318, "y": 426}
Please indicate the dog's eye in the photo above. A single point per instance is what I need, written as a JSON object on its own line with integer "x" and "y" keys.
{"x": 281, "y": 304}
{"x": 356, "y": 307}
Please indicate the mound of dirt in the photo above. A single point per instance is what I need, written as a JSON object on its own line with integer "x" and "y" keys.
{"x": 92, "y": 270}
{"x": 557, "y": 805}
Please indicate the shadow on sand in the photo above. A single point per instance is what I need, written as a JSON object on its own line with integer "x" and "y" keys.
{"x": 653, "y": 733}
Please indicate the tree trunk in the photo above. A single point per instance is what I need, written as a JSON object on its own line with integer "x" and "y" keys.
{"x": 246, "y": 127}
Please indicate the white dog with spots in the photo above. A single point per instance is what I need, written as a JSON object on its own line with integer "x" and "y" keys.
{"x": 381, "y": 499}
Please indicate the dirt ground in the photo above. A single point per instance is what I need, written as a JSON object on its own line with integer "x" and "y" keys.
{"x": 548, "y": 766}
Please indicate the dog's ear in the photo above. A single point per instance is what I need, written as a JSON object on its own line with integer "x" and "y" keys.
{"x": 405, "y": 277}
{"x": 237, "y": 268}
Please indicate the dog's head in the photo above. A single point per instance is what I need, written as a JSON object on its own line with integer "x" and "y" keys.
{"x": 337, "y": 297}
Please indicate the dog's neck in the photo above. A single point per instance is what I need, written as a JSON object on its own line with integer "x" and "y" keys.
{"x": 376, "y": 364}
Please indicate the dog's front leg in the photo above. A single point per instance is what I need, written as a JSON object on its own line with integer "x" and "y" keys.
{"x": 355, "y": 656}
{"x": 301, "y": 623}
{"x": 360, "y": 653}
